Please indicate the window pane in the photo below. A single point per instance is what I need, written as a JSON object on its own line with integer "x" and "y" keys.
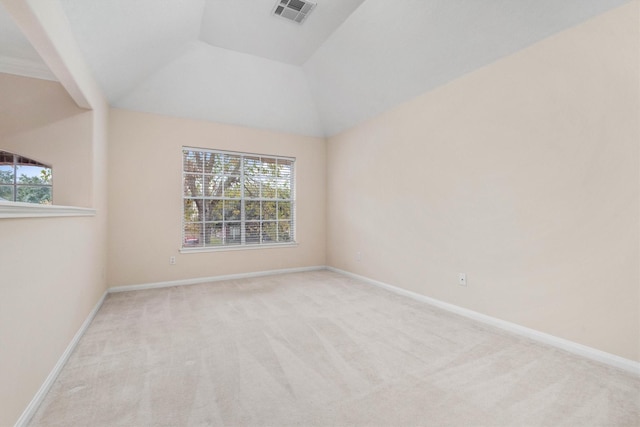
{"x": 213, "y": 210}
{"x": 232, "y": 188}
{"x": 251, "y": 166}
{"x": 269, "y": 210}
{"x": 213, "y": 163}
{"x": 41, "y": 195}
{"x": 6, "y": 174}
{"x": 191, "y": 210}
{"x": 251, "y": 188}
{"x": 192, "y": 235}
{"x": 269, "y": 232}
{"x": 284, "y": 189}
{"x": 233, "y": 233}
{"x": 284, "y": 231}
{"x": 268, "y": 189}
{"x": 6, "y": 192}
{"x": 192, "y": 161}
{"x": 285, "y": 168}
{"x": 214, "y": 186}
{"x": 232, "y": 164}
{"x": 284, "y": 210}
{"x": 232, "y": 210}
{"x": 268, "y": 167}
{"x": 192, "y": 185}
{"x": 252, "y": 232}
{"x": 213, "y": 234}
{"x": 252, "y": 211}
{"x": 33, "y": 175}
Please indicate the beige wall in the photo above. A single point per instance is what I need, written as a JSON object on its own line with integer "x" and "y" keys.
{"x": 53, "y": 270}
{"x": 523, "y": 174}
{"x": 40, "y": 120}
{"x": 145, "y": 184}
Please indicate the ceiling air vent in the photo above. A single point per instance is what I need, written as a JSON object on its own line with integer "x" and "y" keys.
{"x": 294, "y": 10}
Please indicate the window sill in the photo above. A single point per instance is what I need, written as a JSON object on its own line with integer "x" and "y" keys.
{"x": 30, "y": 210}
{"x": 236, "y": 248}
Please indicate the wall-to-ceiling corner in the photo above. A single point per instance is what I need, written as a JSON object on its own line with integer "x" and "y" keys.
{"x": 388, "y": 52}
{"x": 53, "y": 269}
{"x": 223, "y": 86}
{"x": 524, "y": 175}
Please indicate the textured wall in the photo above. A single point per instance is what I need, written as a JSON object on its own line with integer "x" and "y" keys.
{"x": 523, "y": 174}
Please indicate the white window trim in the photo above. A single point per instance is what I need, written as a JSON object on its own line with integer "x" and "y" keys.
{"x": 292, "y": 244}
{"x": 9, "y": 210}
{"x": 237, "y": 247}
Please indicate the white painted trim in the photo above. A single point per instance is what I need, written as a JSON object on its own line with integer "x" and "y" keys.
{"x": 33, "y": 406}
{"x": 32, "y": 210}
{"x": 25, "y": 68}
{"x": 237, "y": 248}
{"x": 570, "y": 346}
{"x": 198, "y": 280}
{"x": 35, "y": 403}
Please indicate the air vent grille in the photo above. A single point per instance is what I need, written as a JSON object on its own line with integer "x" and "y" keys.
{"x": 294, "y": 10}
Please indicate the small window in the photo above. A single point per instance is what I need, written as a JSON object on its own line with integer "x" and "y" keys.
{"x": 24, "y": 180}
{"x": 237, "y": 199}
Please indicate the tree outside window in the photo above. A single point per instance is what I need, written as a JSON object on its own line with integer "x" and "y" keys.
{"x": 235, "y": 199}
{"x": 24, "y": 180}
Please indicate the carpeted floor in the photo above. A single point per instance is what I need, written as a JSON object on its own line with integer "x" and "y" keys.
{"x": 319, "y": 349}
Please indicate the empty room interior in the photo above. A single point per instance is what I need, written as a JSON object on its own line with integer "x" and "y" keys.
{"x": 319, "y": 213}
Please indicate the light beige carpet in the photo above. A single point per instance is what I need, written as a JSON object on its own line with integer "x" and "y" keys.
{"x": 319, "y": 349}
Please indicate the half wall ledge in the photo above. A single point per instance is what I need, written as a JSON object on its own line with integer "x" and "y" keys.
{"x": 9, "y": 210}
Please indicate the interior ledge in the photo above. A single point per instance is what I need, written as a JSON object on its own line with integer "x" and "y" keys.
{"x": 29, "y": 210}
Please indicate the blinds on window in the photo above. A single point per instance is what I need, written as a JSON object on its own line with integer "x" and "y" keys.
{"x": 235, "y": 199}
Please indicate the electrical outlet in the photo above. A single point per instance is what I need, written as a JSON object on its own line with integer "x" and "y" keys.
{"x": 358, "y": 256}
{"x": 462, "y": 279}
{"x": 172, "y": 260}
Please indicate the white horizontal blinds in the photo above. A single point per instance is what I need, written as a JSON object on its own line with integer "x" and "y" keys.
{"x": 268, "y": 200}
{"x": 234, "y": 199}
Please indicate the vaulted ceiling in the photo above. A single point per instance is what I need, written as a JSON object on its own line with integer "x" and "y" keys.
{"x": 17, "y": 56}
{"x": 233, "y": 61}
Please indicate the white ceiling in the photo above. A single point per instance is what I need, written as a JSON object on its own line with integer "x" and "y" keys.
{"x": 17, "y": 56}
{"x": 247, "y": 26}
{"x": 391, "y": 51}
{"x": 232, "y": 61}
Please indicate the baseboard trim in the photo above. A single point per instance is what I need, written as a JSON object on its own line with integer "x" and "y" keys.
{"x": 570, "y": 346}
{"x": 35, "y": 403}
{"x": 199, "y": 280}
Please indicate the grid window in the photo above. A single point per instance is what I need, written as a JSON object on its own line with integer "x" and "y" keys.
{"x": 236, "y": 199}
{"x": 24, "y": 180}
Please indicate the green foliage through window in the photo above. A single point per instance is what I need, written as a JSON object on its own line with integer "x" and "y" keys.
{"x": 24, "y": 180}
{"x": 234, "y": 199}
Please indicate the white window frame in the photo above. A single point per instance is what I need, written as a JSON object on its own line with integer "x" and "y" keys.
{"x": 243, "y": 200}
{"x": 18, "y": 161}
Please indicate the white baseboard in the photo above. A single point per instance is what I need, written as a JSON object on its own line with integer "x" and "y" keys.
{"x": 570, "y": 346}
{"x": 198, "y": 280}
{"x": 31, "y": 409}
